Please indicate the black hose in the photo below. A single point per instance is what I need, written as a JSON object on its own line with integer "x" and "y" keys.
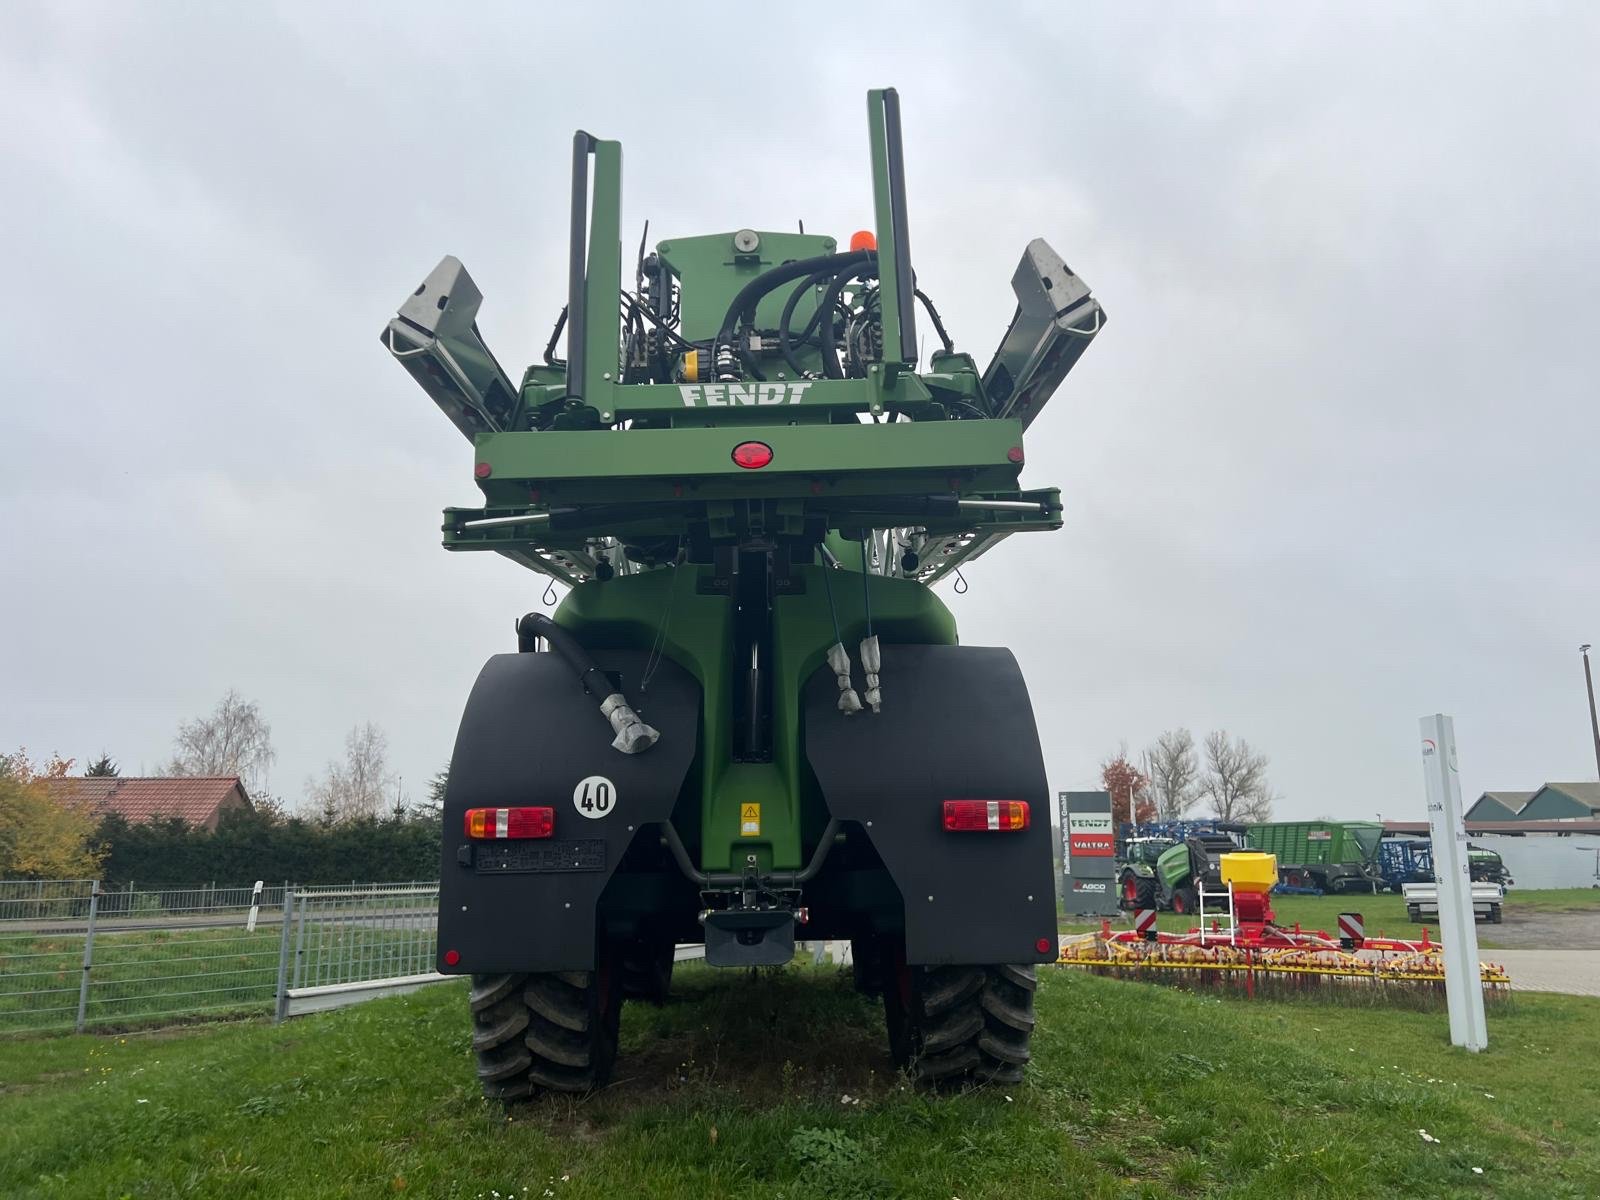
{"x": 786, "y": 341}
{"x": 555, "y": 336}
{"x": 537, "y": 625}
{"x": 767, "y": 281}
{"x": 938, "y": 325}
{"x": 830, "y": 352}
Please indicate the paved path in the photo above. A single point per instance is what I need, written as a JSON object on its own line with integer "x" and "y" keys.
{"x": 1575, "y": 972}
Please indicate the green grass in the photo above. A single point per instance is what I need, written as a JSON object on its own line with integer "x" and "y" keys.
{"x": 1554, "y": 900}
{"x": 737, "y": 1088}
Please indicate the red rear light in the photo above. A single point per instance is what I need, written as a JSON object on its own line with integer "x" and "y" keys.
{"x": 510, "y": 822}
{"x": 751, "y": 455}
{"x": 985, "y": 816}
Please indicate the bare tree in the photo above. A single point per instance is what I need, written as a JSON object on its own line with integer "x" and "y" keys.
{"x": 1173, "y": 768}
{"x": 357, "y": 786}
{"x": 233, "y": 740}
{"x": 1235, "y": 781}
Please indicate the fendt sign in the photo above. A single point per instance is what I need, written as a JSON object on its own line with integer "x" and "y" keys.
{"x": 1089, "y": 847}
{"x": 734, "y": 395}
{"x": 1089, "y": 835}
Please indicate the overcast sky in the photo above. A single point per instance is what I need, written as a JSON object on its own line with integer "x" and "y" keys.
{"x": 1331, "y": 466}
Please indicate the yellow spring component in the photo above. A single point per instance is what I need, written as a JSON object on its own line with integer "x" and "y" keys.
{"x": 1250, "y": 871}
{"x": 691, "y": 367}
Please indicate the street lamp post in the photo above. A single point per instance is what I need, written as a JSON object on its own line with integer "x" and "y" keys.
{"x": 1594, "y": 723}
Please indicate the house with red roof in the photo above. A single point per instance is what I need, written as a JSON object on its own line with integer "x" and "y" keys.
{"x": 198, "y": 800}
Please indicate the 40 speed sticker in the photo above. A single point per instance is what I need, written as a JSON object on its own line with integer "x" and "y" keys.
{"x": 595, "y": 797}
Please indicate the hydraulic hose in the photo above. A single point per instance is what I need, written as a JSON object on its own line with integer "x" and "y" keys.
{"x": 767, "y": 281}
{"x": 786, "y": 340}
{"x": 830, "y": 352}
{"x": 633, "y": 736}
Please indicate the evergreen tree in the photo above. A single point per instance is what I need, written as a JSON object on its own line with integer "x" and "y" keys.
{"x": 102, "y": 768}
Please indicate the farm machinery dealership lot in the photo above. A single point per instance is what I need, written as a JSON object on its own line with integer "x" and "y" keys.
{"x": 880, "y": 642}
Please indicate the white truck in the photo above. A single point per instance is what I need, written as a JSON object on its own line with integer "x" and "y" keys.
{"x": 1422, "y": 901}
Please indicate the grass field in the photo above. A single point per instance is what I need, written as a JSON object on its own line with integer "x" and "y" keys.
{"x": 780, "y": 1086}
{"x": 1554, "y": 899}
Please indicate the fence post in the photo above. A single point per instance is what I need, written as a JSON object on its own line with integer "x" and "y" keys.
{"x": 255, "y": 907}
{"x": 300, "y": 944}
{"x": 283, "y": 958}
{"x": 88, "y": 956}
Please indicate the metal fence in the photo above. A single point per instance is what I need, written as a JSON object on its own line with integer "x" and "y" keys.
{"x": 74, "y": 956}
{"x": 342, "y": 945}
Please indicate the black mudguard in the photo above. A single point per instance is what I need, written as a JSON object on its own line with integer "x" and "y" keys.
{"x": 956, "y": 725}
{"x": 530, "y": 736}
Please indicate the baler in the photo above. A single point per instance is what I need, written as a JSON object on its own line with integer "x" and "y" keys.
{"x": 749, "y": 718}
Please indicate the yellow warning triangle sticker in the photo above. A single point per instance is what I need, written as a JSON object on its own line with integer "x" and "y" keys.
{"x": 752, "y": 812}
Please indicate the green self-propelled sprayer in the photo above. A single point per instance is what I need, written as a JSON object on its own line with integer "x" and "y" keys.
{"x": 750, "y": 712}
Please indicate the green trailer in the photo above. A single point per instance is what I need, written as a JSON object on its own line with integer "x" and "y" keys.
{"x": 1331, "y": 856}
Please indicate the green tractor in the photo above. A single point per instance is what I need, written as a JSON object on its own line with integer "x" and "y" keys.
{"x": 1136, "y": 872}
{"x": 750, "y": 717}
{"x": 1183, "y": 869}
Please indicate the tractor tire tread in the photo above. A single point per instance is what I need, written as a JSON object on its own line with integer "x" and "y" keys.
{"x": 553, "y": 1078}
{"x": 951, "y": 1030}
{"x": 491, "y": 989}
{"x": 557, "y": 1002}
{"x": 965, "y": 1025}
{"x": 542, "y": 1032}
{"x": 557, "y": 1045}
{"x": 498, "y": 1024}
{"x": 1007, "y": 1011}
{"x": 503, "y": 1062}
{"x": 946, "y": 987}
{"x": 1026, "y": 978}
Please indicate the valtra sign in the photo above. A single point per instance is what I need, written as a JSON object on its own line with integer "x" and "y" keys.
{"x": 1089, "y": 835}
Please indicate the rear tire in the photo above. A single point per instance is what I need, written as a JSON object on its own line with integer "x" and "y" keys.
{"x": 867, "y": 966}
{"x": 1185, "y": 900}
{"x": 952, "y": 1026}
{"x": 545, "y": 1031}
{"x": 647, "y": 970}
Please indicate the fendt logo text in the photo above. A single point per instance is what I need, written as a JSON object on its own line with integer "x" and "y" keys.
{"x": 726, "y": 395}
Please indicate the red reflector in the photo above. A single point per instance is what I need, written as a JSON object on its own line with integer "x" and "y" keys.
{"x": 1045, "y": 946}
{"x": 751, "y": 455}
{"x": 483, "y": 470}
{"x": 452, "y": 957}
{"x": 985, "y": 816}
{"x": 1015, "y": 454}
{"x": 510, "y": 822}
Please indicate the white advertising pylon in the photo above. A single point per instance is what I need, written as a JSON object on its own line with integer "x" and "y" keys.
{"x": 1458, "y": 930}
